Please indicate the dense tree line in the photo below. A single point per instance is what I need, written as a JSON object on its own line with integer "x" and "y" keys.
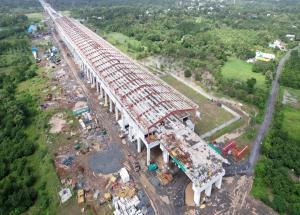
{"x": 264, "y": 67}
{"x": 290, "y": 76}
{"x": 17, "y": 178}
{"x": 245, "y": 91}
{"x": 280, "y": 160}
{"x": 201, "y": 39}
{"x": 66, "y": 4}
{"x": 20, "y": 4}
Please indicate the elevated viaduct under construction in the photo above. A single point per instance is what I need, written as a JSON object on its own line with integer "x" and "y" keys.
{"x": 153, "y": 113}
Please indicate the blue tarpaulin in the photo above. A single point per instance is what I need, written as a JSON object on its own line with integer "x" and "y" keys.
{"x": 32, "y": 28}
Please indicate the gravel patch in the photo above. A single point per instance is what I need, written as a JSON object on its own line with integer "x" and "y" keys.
{"x": 107, "y": 161}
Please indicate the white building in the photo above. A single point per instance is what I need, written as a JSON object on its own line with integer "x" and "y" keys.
{"x": 291, "y": 37}
{"x": 260, "y": 56}
{"x": 278, "y": 44}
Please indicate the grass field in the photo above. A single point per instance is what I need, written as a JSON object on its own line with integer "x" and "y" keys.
{"x": 42, "y": 160}
{"x": 211, "y": 115}
{"x": 35, "y": 17}
{"x": 65, "y": 12}
{"x": 291, "y": 114}
{"x": 240, "y": 70}
{"x": 126, "y": 44}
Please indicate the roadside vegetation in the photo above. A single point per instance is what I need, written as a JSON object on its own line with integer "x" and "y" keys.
{"x": 291, "y": 75}
{"x": 278, "y": 172}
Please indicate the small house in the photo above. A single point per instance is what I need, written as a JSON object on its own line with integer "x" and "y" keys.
{"x": 266, "y": 57}
{"x": 291, "y": 37}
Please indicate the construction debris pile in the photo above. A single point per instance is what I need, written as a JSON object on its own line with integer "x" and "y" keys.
{"x": 53, "y": 55}
{"x": 184, "y": 147}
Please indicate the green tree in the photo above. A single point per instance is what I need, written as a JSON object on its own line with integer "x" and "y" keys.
{"x": 251, "y": 85}
{"x": 187, "y": 73}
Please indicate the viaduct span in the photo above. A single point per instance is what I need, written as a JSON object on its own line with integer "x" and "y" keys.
{"x": 153, "y": 113}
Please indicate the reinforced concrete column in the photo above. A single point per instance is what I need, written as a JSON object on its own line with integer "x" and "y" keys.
{"x": 139, "y": 145}
{"x": 101, "y": 92}
{"x": 91, "y": 77}
{"x": 130, "y": 133}
{"x": 197, "y": 195}
{"x": 97, "y": 86}
{"x": 86, "y": 72}
{"x": 148, "y": 156}
{"x": 123, "y": 122}
{"x": 88, "y": 75}
{"x": 219, "y": 182}
{"x": 117, "y": 113}
{"x": 110, "y": 105}
{"x": 165, "y": 156}
{"x": 105, "y": 99}
{"x": 208, "y": 190}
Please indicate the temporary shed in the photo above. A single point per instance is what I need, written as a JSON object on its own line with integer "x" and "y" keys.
{"x": 65, "y": 194}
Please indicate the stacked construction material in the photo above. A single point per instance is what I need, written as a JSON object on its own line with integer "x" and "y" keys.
{"x": 126, "y": 206}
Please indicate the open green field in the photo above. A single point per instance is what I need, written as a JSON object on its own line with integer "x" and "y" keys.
{"x": 295, "y": 93}
{"x": 35, "y": 17}
{"x": 291, "y": 114}
{"x": 42, "y": 160}
{"x": 240, "y": 70}
{"x": 291, "y": 121}
{"x": 65, "y": 12}
{"x": 211, "y": 115}
{"x": 126, "y": 44}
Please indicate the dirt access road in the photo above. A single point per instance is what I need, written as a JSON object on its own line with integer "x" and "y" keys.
{"x": 234, "y": 199}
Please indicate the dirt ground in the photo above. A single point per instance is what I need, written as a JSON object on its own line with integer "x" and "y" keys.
{"x": 234, "y": 199}
{"x": 57, "y": 123}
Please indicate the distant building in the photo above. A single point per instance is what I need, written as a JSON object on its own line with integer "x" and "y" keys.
{"x": 266, "y": 57}
{"x": 291, "y": 37}
{"x": 277, "y": 44}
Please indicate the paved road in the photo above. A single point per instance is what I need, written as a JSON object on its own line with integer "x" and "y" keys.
{"x": 269, "y": 112}
{"x": 247, "y": 167}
